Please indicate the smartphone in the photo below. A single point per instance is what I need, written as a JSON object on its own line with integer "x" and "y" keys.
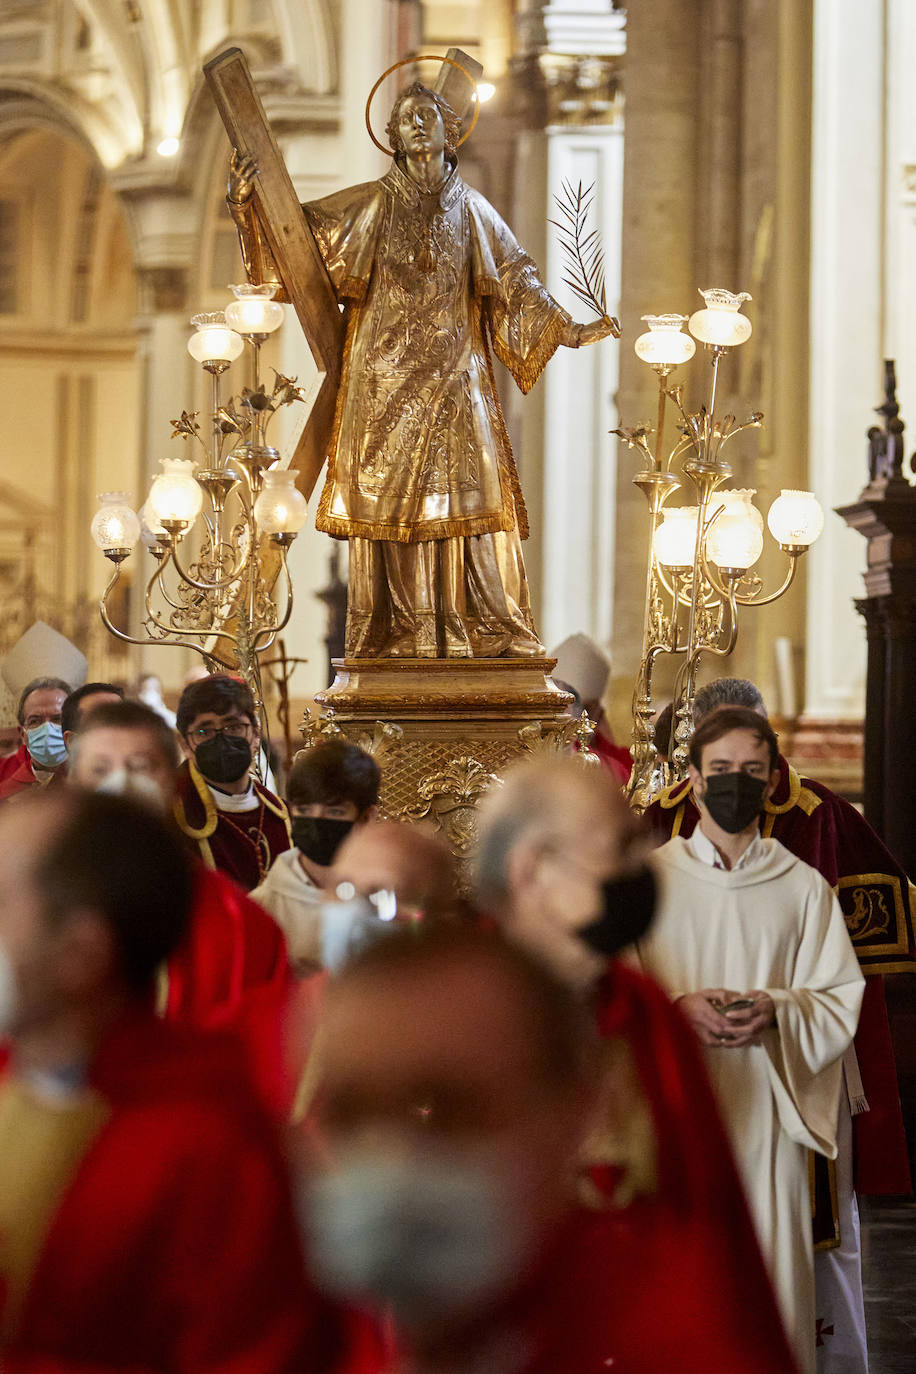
{"x": 739, "y": 1004}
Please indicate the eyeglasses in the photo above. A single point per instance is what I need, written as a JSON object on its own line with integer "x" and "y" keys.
{"x": 235, "y": 729}
{"x": 33, "y": 722}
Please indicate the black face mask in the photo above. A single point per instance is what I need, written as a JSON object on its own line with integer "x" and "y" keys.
{"x": 629, "y": 904}
{"x": 733, "y": 799}
{"x": 223, "y": 759}
{"x": 319, "y": 838}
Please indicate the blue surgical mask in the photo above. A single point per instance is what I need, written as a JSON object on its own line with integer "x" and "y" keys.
{"x": 46, "y": 745}
{"x": 426, "y": 1236}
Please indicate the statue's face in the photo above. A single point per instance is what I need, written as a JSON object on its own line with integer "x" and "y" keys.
{"x": 420, "y": 127}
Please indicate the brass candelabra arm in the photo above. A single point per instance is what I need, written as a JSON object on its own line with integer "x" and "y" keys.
{"x": 174, "y": 637}
{"x": 756, "y": 599}
{"x": 265, "y": 637}
{"x": 681, "y": 588}
{"x": 205, "y": 585}
{"x": 106, "y": 618}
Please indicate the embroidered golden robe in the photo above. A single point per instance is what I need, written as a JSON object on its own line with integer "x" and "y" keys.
{"x": 434, "y": 283}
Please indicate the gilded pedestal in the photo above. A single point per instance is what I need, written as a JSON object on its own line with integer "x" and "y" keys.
{"x": 443, "y": 730}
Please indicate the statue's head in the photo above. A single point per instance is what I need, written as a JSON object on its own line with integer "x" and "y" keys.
{"x": 418, "y": 100}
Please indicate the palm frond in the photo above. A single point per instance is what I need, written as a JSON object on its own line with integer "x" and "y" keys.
{"x": 582, "y": 247}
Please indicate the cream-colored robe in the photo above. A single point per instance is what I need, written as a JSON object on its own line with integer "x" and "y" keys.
{"x": 772, "y": 924}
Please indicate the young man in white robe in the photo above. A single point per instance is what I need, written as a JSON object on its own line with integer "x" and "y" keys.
{"x": 752, "y": 944}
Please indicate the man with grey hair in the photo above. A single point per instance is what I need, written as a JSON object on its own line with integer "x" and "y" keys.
{"x": 561, "y": 866}
{"x": 728, "y": 691}
{"x": 827, "y": 832}
{"x": 42, "y": 753}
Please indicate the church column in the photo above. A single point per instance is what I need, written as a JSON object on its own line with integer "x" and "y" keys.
{"x": 162, "y": 231}
{"x": 847, "y": 270}
{"x": 566, "y": 75}
{"x": 659, "y": 208}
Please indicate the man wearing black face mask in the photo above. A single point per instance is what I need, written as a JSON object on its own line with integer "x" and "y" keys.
{"x": 234, "y": 822}
{"x": 561, "y": 867}
{"x": 752, "y": 943}
{"x": 332, "y": 787}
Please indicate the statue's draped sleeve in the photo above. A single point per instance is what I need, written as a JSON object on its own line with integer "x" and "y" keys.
{"x": 526, "y": 325}
{"x": 255, "y": 248}
{"x": 345, "y": 227}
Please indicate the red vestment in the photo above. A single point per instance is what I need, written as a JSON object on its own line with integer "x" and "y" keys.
{"x": 614, "y": 1294}
{"x": 174, "y": 1247}
{"x": 614, "y": 757}
{"x": 243, "y": 844}
{"x": 825, "y": 831}
{"x": 12, "y": 762}
{"x": 17, "y": 773}
{"x": 231, "y": 973}
{"x": 675, "y": 1280}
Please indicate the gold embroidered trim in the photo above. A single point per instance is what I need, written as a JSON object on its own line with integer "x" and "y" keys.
{"x": 527, "y": 371}
{"x": 513, "y": 510}
{"x": 209, "y": 805}
{"x": 275, "y": 805}
{"x": 674, "y": 794}
{"x": 463, "y": 528}
{"x": 795, "y": 788}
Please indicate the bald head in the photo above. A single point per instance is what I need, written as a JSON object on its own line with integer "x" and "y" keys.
{"x": 548, "y": 802}
{"x": 548, "y": 841}
{"x": 408, "y": 860}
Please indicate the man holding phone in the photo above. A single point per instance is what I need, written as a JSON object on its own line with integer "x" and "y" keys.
{"x": 752, "y": 944}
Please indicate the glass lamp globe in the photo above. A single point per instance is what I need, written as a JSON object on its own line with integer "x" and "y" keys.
{"x": 720, "y": 322}
{"x": 213, "y": 341}
{"x": 664, "y": 344}
{"x": 735, "y": 538}
{"x": 175, "y": 496}
{"x": 280, "y": 508}
{"x": 676, "y": 537}
{"x": 115, "y": 524}
{"x": 254, "y": 311}
{"x": 151, "y": 532}
{"x": 796, "y": 518}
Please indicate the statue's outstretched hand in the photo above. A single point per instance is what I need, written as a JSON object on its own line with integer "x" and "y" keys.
{"x": 578, "y": 335}
{"x": 598, "y": 329}
{"x": 242, "y": 172}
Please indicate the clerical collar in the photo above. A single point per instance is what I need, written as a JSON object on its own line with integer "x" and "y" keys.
{"x": 241, "y": 801}
{"x": 702, "y": 848}
{"x": 406, "y": 189}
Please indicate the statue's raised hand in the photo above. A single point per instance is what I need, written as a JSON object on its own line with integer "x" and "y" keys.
{"x": 242, "y": 172}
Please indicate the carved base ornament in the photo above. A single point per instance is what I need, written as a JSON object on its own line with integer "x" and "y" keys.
{"x": 443, "y": 732}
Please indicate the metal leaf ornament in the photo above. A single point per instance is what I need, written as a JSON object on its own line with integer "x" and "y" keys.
{"x": 581, "y": 246}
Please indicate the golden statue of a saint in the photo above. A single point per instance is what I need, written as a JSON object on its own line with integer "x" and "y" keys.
{"x": 421, "y": 478}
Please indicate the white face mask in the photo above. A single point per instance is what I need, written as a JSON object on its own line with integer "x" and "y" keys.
{"x": 140, "y": 786}
{"x": 432, "y": 1235}
{"x": 9, "y": 993}
{"x": 349, "y": 925}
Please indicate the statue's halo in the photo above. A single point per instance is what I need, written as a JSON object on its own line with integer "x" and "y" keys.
{"x": 409, "y": 62}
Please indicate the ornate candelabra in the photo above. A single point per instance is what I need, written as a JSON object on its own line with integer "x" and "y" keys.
{"x": 700, "y": 556}
{"x": 232, "y": 594}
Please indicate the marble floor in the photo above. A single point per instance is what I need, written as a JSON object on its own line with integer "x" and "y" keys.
{"x": 889, "y": 1274}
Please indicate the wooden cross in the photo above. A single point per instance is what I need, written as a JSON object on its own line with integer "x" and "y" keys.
{"x": 292, "y": 244}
